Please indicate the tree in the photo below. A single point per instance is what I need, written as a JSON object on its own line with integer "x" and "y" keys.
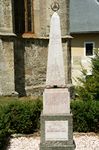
{"x": 88, "y": 89}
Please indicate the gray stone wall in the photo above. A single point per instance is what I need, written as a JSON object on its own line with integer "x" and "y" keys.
{"x": 23, "y": 60}
{"x": 1, "y": 16}
{"x": 46, "y": 13}
{"x": 37, "y": 17}
{"x": 6, "y": 67}
{"x": 35, "y": 63}
{"x": 6, "y": 17}
{"x": 7, "y": 85}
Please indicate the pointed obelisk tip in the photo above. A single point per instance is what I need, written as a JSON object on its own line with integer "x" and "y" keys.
{"x": 55, "y": 14}
{"x": 55, "y": 66}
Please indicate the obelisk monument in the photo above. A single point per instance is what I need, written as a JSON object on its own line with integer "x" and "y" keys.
{"x": 56, "y": 119}
{"x": 55, "y": 67}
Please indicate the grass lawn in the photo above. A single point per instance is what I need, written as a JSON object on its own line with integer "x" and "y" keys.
{"x": 5, "y": 100}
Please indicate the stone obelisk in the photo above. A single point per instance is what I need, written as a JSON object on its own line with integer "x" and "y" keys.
{"x": 55, "y": 67}
{"x": 56, "y": 119}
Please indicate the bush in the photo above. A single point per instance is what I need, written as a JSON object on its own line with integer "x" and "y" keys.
{"x": 3, "y": 138}
{"x": 19, "y": 116}
{"x": 23, "y": 116}
{"x": 88, "y": 86}
{"x": 3, "y": 129}
{"x": 85, "y": 116}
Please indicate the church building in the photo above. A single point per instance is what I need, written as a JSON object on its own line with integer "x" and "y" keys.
{"x": 24, "y": 38}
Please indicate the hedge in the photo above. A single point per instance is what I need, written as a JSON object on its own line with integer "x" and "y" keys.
{"x": 19, "y": 117}
{"x": 85, "y": 116}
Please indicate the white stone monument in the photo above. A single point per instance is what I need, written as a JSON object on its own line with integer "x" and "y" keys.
{"x": 56, "y": 119}
{"x": 55, "y": 67}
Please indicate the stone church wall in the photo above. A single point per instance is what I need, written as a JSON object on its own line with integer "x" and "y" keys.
{"x": 23, "y": 60}
{"x": 7, "y": 67}
{"x": 46, "y": 11}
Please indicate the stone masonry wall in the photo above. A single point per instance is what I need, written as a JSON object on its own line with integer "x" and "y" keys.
{"x": 6, "y": 17}
{"x": 46, "y": 13}
{"x": 6, "y": 67}
{"x": 23, "y": 61}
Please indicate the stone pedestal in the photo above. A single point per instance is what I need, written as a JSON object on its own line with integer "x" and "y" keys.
{"x": 57, "y": 132}
{"x": 56, "y": 101}
{"x": 56, "y": 120}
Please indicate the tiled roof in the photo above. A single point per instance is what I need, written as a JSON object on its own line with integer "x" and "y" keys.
{"x": 84, "y": 16}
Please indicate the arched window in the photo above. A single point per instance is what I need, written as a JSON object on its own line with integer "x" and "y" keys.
{"x": 23, "y": 14}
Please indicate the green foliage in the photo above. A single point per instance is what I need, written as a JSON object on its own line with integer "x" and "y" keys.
{"x": 88, "y": 88}
{"x": 24, "y": 117}
{"x": 85, "y": 116}
{"x": 3, "y": 138}
{"x": 95, "y": 71}
{"x": 3, "y": 128}
{"x": 19, "y": 116}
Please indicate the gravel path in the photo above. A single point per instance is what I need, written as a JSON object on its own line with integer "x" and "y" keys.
{"x": 89, "y": 141}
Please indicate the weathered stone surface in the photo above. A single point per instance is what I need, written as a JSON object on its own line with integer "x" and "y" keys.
{"x": 36, "y": 17}
{"x": 56, "y": 130}
{"x": 56, "y": 101}
{"x": 46, "y": 11}
{"x": 56, "y": 144}
{"x": 55, "y": 66}
{"x": 8, "y": 15}
{"x": 1, "y": 16}
{"x": 30, "y": 59}
{"x": 7, "y": 85}
{"x": 35, "y": 64}
{"x": 6, "y": 68}
{"x": 6, "y": 25}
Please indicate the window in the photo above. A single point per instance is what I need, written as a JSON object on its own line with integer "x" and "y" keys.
{"x": 89, "y": 48}
{"x": 19, "y": 22}
{"x": 23, "y": 14}
{"x": 29, "y": 16}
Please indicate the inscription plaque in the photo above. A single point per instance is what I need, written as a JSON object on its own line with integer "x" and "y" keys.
{"x": 56, "y": 130}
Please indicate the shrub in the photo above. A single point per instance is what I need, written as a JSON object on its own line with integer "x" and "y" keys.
{"x": 3, "y": 138}
{"x": 88, "y": 86}
{"x": 23, "y": 116}
{"x": 85, "y": 116}
{"x": 19, "y": 116}
{"x": 3, "y": 129}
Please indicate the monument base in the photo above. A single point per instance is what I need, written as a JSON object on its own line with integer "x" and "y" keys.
{"x": 58, "y": 147}
{"x": 57, "y": 132}
{"x": 56, "y": 100}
